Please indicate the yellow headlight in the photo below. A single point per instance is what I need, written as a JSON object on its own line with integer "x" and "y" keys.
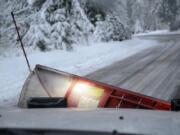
{"x": 80, "y": 87}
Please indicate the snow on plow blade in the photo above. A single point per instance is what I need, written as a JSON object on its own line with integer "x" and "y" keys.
{"x": 83, "y": 93}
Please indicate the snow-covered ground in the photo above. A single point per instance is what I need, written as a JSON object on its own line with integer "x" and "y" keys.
{"x": 158, "y": 32}
{"x": 81, "y": 61}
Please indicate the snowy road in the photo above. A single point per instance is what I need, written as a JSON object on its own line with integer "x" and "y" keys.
{"x": 142, "y": 65}
{"x": 154, "y": 71}
{"x": 83, "y": 60}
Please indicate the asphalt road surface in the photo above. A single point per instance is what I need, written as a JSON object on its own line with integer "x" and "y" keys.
{"x": 154, "y": 72}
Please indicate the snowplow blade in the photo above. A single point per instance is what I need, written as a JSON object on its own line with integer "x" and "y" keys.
{"x": 83, "y": 93}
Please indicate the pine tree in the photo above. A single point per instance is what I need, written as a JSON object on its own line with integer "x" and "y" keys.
{"x": 169, "y": 12}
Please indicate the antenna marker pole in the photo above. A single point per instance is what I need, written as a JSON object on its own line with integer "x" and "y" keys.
{"x": 22, "y": 46}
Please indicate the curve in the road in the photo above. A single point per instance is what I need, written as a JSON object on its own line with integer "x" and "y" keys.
{"x": 154, "y": 72}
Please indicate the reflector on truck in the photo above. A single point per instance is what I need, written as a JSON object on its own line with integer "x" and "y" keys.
{"x": 81, "y": 92}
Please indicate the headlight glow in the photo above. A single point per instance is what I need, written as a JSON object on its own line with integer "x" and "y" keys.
{"x": 87, "y": 95}
{"x": 80, "y": 88}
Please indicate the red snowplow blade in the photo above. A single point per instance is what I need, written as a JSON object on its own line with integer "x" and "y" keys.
{"x": 84, "y": 93}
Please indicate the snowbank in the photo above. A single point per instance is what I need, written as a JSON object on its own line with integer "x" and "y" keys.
{"x": 81, "y": 61}
{"x": 158, "y": 32}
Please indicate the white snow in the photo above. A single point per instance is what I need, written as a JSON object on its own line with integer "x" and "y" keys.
{"x": 81, "y": 61}
{"x": 158, "y": 32}
{"x": 30, "y": 2}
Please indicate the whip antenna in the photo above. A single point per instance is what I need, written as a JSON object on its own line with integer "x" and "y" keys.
{"x": 22, "y": 46}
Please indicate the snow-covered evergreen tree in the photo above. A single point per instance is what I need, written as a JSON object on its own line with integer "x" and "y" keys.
{"x": 169, "y": 12}
{"x": 58, "y": 24}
